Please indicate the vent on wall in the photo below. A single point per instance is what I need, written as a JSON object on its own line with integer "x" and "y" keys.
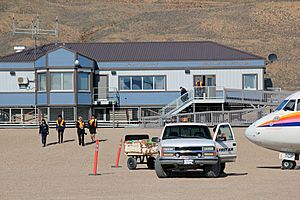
{"x": 23, "y": 81}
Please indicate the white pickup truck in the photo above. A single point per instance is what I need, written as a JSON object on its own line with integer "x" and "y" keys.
{"x": 192, "y": 146}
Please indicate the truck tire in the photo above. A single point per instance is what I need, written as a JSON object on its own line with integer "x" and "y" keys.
{"x": 160, "y": 171}
{"x": 223, "y": 165}
{"x": 151, "y": 163}
{"x": 131, "y": 163}
{"x": 212, "y": 171}
{"x": 288, "y": 164}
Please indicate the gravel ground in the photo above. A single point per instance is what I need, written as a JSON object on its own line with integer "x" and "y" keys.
{"x": 61, "y": 171}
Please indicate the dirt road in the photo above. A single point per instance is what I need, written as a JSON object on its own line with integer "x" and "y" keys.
{"x": 60, "y": 171}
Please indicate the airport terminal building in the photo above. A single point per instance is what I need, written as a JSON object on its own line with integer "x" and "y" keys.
{"x": 133, "y": 79}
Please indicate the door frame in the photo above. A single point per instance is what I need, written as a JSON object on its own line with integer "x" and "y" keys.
{"x": 107, "y": 84}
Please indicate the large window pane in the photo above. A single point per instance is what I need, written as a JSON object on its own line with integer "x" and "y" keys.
{"x": 250, "y": 81}
{"x": 68, "y": 81}
{"x": 83, "y": 81}
{"x": 125, "y": 83}
{"x": 148, "y": 82}
{"x": 42, "y": 82}
{"x": 136, "y": 82}
{"x": 159, "y": 82}
{"x": 55, "y": 81}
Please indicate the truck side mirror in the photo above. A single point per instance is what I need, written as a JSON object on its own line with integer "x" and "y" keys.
{"x": 155, "y": 139}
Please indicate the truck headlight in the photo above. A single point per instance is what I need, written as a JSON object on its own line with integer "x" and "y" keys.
{"x": 168, "y": 148}
{"x": 208, "y": 148}
{"x": 167, "y": 151}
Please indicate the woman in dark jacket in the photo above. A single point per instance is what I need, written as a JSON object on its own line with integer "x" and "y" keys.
{"x": 44, "y": 131}
{"x": 80, "y": 125}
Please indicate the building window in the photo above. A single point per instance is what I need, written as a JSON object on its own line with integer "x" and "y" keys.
{"x": 136, "y": 82}
{"x": 250, "y": 81}
{"x": 61, "y": 81}
{"x": 148, "y": 83}
{"x": 142, "y": 83}
{"x": 42, "y": 82}
{"x": 83, "y": 81}
{"x": 125, "y": 83}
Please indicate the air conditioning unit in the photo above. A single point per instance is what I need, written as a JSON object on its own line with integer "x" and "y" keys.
{"x": 23, "y": 81}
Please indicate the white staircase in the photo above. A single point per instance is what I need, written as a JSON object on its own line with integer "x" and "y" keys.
{"x": 212, "y": 94}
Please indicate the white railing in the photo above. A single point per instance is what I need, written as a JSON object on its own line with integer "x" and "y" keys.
{"x": 235, "y": 118}
{"x": 110, "y": 94}
{"x": 258, "y": 97}
{"x": 199, "y": 93}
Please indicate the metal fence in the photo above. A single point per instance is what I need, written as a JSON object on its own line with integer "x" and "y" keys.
{"x": 235, "y": 118}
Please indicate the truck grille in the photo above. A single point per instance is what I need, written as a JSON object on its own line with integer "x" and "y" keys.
{"x": 188, "y": 148}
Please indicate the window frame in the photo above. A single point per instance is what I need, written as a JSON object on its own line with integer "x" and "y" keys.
{"x": 243, "y": 81}
{"x": 61, "y": 82}
{"x": 39, "y": 81}
{"x": 89, "y": 82}
{"x": 142, "y": 83}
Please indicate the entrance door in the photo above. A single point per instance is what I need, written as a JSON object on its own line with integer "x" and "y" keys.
{"x": 103, "y": 87}
{"x": 208, "y": 82}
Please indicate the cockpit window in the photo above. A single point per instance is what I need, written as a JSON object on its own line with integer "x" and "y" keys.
{"x": 281, "y": 105}
{"x": 298, "y": 105}
{"x": 290, "y": 106}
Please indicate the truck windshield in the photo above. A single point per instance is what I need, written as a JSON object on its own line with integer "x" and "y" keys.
{"x": 186, "y": 131}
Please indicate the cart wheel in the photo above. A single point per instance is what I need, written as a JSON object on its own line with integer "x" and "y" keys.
{"x": 150, "y": 163}
{"x": 131, "y": 163}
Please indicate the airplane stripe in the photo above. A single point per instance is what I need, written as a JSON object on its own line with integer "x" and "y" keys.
{"x": 291, "y": 119}
{"x": 282, "y": 124}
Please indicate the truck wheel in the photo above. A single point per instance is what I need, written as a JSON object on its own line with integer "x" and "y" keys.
{"x": 131, "y": 163}
{"x": 160, "y": 171}
{"x": 288, "y": 164}
{"x": 151, "y": 163}
{"x": 223, "y": 165}
{"x": 212, "y": 171}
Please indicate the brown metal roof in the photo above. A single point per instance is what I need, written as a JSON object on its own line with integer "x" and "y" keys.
{"x": 141, "y": 51}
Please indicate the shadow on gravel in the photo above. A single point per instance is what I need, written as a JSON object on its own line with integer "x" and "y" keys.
{"x": 89, "y": 143}
{"x": 275, "y": 167}
{"x": 269, "y": 167}
{"x": 200, "y": 174}
{"x": 66, "y": 141}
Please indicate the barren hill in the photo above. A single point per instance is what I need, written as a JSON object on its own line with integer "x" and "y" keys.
{"x": 257, "y": 26}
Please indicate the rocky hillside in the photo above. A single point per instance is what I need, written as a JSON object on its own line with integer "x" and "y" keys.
{"x": 257, "y": 26}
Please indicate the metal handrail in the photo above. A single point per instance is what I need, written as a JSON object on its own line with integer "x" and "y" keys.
{"x": 199, "y": 93}
{"x": 112, "y": 94}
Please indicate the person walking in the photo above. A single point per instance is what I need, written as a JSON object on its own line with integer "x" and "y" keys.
{"x": 184, "y": 95}
{"x": 44, "y": 131}
{"x": 60, "y": 128}
{"x": 93, "y": 127}
{"x": 80, "y": 125}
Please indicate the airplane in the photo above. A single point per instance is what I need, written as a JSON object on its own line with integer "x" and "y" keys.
{"x": 280, "y": 131}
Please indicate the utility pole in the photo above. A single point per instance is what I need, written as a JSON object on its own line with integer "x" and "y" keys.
{"x": 35, "y": 30}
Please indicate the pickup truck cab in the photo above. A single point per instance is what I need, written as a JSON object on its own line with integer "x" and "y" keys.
{"x": 192, "y": 146}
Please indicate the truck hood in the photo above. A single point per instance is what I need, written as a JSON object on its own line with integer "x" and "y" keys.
{"x": 186, "y": 142}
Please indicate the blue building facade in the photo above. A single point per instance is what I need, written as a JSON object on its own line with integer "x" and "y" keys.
{"x": 133, "y": 79}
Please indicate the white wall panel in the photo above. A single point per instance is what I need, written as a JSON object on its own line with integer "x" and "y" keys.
{"x": 9, "y": 83}
{"x": 229, "y": 78}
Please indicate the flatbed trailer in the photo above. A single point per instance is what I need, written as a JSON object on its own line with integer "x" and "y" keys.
{"x": 140, "y": 150}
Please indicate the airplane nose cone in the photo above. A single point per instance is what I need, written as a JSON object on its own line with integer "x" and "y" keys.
{"x": 250, "y": 133}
